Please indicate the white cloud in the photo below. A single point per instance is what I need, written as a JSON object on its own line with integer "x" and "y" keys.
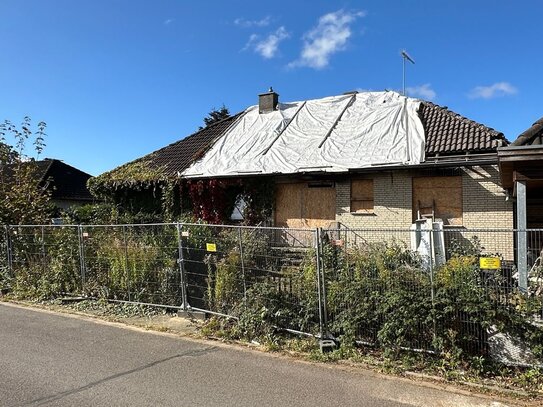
{"x": 423, "y": 91}
{"x": 268, "y": 46}
{"x": 328, "y": 37}
{"x": 264, "y": 22}
{"x": 168, "y": 21}
{"x": 496, "y": 90}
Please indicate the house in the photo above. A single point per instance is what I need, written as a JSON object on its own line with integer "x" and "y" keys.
{"x": 365, "y": 160}
{"x": 372, "y": 160}
{"x": 67, "y": 184}
{"x": 521, "y": 172}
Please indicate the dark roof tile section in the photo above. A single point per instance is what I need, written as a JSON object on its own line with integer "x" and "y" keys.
{"x": 177, "y": 156}
{"x": 448, "y": 133}
{"x": 531, "y": 137}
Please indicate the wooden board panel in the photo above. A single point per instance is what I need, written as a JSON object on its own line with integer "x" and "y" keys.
{"x": 288, "y": 205}
{"x": 362, "y": 206}
{"x": 297, "y": 206}
{"x": 362, "y": 189}
{"x": 362, "y": 195}
{"x": 319, "y": 207}
{"x": 446, "y": 192}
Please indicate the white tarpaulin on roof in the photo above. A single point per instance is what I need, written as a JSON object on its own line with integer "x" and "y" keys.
{"x": 333, "y": 134}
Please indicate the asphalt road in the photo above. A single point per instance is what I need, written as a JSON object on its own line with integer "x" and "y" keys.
{"x": 49, "y": 359}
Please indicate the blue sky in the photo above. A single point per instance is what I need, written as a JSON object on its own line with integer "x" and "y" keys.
{"x": 117, "y": 79}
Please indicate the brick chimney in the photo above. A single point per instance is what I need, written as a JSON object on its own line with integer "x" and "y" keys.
{"x": 267, "y": 102}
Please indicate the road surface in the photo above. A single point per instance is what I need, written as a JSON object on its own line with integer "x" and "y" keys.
{"x": 49, "y": 359}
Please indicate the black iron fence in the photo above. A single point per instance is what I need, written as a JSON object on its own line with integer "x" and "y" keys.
{"x": 426, "y": 288}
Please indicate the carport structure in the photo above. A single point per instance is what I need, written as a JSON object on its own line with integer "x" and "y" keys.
{"x": 521, "y": 172}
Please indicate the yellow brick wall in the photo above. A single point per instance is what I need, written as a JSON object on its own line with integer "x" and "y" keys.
{"x": 483, "y": 200}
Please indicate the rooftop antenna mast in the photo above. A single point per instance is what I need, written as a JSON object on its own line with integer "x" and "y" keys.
{"x": 405, "y": 56}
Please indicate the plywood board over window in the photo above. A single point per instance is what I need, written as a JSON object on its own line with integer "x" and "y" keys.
{"x": 442, "y": 194}
{"x": 298, "y": 205}
{"x": 362, "y": 196}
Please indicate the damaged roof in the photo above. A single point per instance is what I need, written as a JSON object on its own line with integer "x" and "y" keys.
{"x": 446, "y": 133}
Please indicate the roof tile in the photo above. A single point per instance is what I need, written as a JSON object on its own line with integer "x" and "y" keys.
{"x": 449, "y": 133}
{"x": 532, "y": 136}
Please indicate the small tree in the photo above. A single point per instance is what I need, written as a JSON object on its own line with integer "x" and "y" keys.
{"x": 215, "y": 115}
{"x": 23, "y": 199}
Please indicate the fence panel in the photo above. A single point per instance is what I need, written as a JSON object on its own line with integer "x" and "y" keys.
{"x": 42, "y": 259}
{"x": 437, "y": 290}
{"x": 473, "y": 291}
{"x": 132, "y": 263}
{"x": 378, "y": 291}
{"x": 232, "y": 269}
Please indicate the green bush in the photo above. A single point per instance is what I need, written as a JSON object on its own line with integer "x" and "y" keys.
{"x": 378, "y": 294}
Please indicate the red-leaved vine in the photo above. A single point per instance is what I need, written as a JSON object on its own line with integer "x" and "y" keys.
{"x": 213, "y": 200}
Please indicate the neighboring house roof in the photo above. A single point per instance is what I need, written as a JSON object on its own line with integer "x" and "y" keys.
{"x": 449, "y": 133}
{"x": 446, "y": 133}
{"x": 64, "y": 181}
{"x": 522, "y": 160}
{"x": 69, "y": 183}
{"x": 531, "y": 137}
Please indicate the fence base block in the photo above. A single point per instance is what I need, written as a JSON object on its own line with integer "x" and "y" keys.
{"x": 201, "y": 316}
{"x": 67, "y": 300}
{"x": 327, "y": 345}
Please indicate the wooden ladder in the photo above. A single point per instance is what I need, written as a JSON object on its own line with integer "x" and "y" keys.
{"x": 425, "y": 212}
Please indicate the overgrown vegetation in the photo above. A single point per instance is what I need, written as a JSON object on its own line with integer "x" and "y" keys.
{"x": 381, "y": 298}
{"x": 24, "y": 197}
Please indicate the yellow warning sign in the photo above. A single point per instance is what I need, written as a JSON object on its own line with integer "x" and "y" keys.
{"x": 211, "y": 247}
{"x": 490, "y": 263}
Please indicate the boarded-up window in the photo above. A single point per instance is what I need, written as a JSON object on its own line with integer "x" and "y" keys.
{"x": 300, "y": 206}
{"x": 362, "y": 196}
{"x": 440, "y": 196}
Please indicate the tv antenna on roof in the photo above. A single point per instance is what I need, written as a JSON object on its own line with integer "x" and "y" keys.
{"x": 405, "y": 56}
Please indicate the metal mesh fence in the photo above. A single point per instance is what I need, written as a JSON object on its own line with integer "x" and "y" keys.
{"x": 376, "y": 288}
{"x": 44, "y": 258}
{"x": 136, "y": 263}
{"x": 231, "y": 269}
{"x": 436, "y": 289}
{"x": 5, "y": 253}
{"x": 473, "y": 290}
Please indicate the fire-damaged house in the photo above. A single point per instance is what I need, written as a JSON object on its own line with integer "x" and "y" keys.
{"x": 364, "y": 160}
{"x": 358, "y": 160}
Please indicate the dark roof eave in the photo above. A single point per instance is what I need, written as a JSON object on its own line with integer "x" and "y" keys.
{"x": 512, "y": 147}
